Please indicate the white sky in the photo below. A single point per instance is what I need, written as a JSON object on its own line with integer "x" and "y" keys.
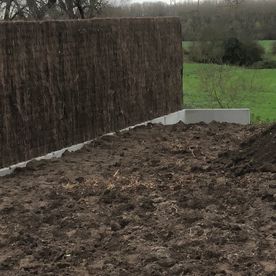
{"x": 160, "y": 1}
{"x": 124, "y": 2}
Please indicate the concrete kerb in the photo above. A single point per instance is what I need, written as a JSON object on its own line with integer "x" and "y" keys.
{"x": 187, "y": 116}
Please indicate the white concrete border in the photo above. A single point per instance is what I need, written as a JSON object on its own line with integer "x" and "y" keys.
{"x": 238, "y": 116}
{"x": 187, "y": 116}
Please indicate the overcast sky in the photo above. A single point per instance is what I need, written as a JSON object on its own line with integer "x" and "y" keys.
{"x": 124, "y": 2}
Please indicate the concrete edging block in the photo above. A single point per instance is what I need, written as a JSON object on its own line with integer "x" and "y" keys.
{"x": 159, "y": 120}
{"x": 187, "y": 116}
{"x": 238, "y": 116}
{"x": 175, "y": 117}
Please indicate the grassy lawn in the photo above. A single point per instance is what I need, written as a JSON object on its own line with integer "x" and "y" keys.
{"x": 262, "y": 101}
{"x": 267, "y": 44}
{"x": 186, "y": 44}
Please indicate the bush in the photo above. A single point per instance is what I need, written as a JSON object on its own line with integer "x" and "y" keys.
{"x": 253, "y": 52}
{"x": 241, "y": 53}
{"x": 185, "y": 52}
{"x": 206, "y": 51}
{"x": 273, "y": 48}
{"x": 230, "y": 51}
{"x": 264, "y": 64}
{"x": 233, "y": 52}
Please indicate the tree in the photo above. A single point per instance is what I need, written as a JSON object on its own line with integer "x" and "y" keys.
{"x": 41, "y": 9}
{"x": 273, "y": 48}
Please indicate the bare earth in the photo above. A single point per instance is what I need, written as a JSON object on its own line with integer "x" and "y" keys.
{"x": 158, "y": 200}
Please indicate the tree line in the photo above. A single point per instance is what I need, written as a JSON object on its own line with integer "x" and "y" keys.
{"x": 200, "y": 19}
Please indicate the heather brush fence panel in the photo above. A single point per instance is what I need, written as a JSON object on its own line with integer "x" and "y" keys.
{"x": 65, "y": 82}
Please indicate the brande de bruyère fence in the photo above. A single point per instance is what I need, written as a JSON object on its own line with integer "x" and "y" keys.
{"x": 65, "y": 82}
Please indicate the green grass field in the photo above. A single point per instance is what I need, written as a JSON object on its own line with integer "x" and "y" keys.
{"x": 262, "y": 101}
{"x": 267, "y": 45}
{"x": 186, "y": 44}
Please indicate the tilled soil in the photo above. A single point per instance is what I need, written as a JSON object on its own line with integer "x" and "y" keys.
{"x": 158, "y": 200}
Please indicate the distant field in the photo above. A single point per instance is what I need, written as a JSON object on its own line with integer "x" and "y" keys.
{"x": 262, "y": 103}
{"x": 186, "y": 44}
{"x": 267, "y": 44}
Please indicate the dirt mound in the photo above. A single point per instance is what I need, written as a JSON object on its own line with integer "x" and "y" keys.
{"x": 258, "y": 153}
